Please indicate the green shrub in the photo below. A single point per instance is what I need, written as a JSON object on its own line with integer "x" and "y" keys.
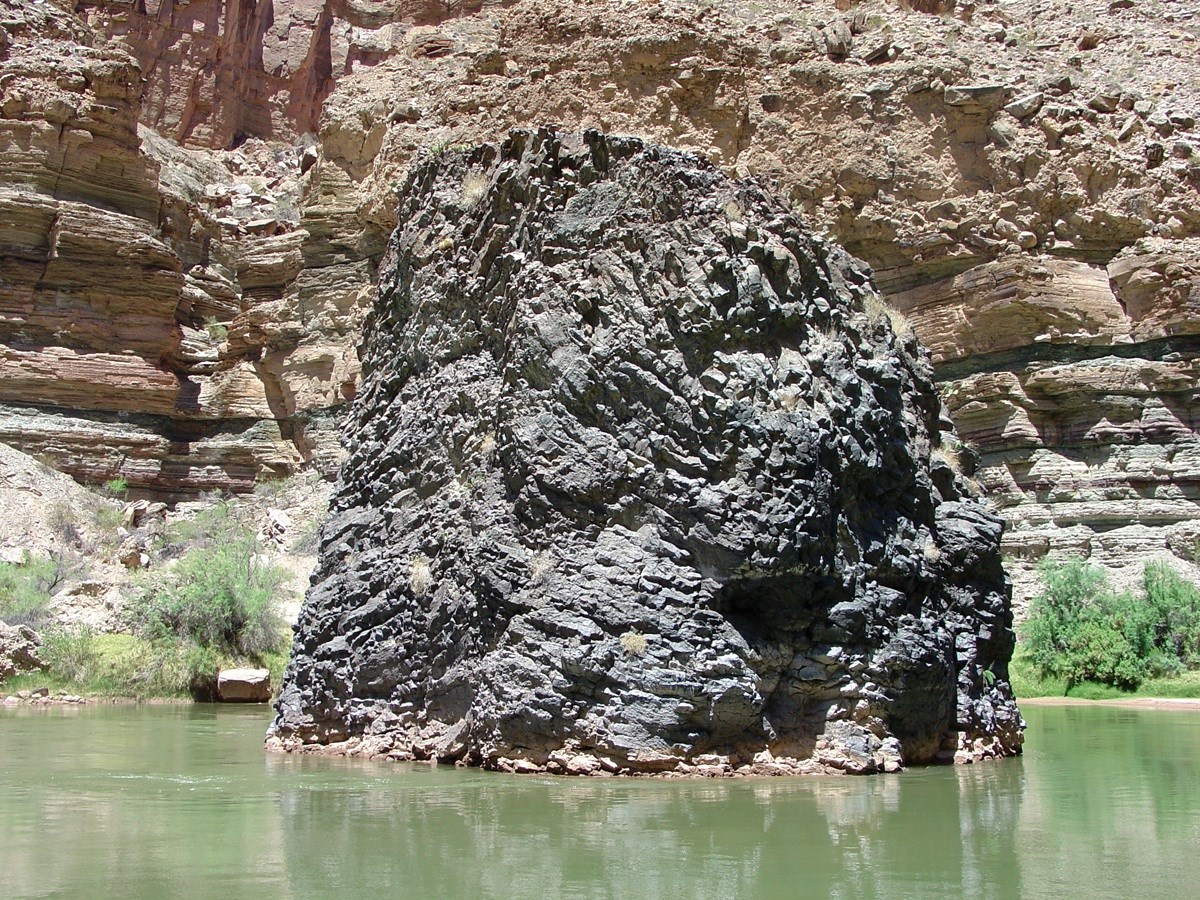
{"x": 222, "y": 599}
{"x": 213, "y": 527}
{"x": 217, "y": 330}
{"x": 1174, "y": 630}
{"x": 72, "y": 653}
{"x": 163, "y": 669}
{"x": 64, "y": 522}
{"x": 1055, "y": 614}
{"x": 26, "y": 590}
{"x": 201, "y": 665}
{"x": 1080, "y": 630}
{"x": 216, "y": 606}
{"x": 80, "y": 660}
{"x": 106, "y": 519}
{"x": 274, "y": 487}
{"x": 221, "y": 595}
{"x": 1099, "y": 652}
{"x": 308, "y": 537}
{"x": 117, "y": 488}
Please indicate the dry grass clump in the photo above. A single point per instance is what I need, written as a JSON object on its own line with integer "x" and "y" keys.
{"x": 474, "y": 188}
{"x": 420, "y": 575}
{"x": 541, "y": 566}
{"x": 633, "y": 642}
{"x": 878, "y": 309}
{"x": 487, "y": 445}
{"x": 951, "y": 456}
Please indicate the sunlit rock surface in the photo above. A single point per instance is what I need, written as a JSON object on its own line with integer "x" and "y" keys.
{"x": 642, "y": 478}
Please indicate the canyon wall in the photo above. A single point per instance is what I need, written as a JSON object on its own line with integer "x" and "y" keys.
{"x": 1022, "y": 177}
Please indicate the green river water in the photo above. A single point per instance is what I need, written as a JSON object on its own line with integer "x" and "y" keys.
{"x": 181, "y": 801}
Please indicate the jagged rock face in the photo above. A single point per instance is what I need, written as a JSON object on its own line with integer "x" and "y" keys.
{"x": 641, "y": 479}
{"x": 251, "y": 68}
{"x": 1078, "y": 385}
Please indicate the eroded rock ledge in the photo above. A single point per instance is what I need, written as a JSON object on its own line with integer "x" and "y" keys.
{"x": 642, "y": 479}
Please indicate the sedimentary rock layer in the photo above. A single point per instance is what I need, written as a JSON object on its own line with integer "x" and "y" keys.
{"x": 642, "y": 478}
{"x": 155, "y": 323}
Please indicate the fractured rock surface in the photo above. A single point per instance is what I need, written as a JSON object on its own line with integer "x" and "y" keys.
{"x": 642, "y": 478}
{"x": 18, "y": 650}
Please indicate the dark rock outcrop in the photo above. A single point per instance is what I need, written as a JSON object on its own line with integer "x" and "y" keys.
{"x": 643, "y": 477}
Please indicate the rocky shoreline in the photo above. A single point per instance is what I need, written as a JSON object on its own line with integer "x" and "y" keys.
{"x": 46, "y": 697}
{"x": 829, "y": 759}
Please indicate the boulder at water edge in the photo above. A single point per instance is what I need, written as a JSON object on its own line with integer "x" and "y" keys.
{"x": 244, "y": 685}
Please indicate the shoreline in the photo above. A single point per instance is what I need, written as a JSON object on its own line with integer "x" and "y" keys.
{"x": 43, "y": 698}
{"x": 12, "y": 701}
{"x": 1167, "y": 703}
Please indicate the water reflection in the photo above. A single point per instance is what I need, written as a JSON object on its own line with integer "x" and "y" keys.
{"x": 162, "y": 802}
{"x": 930, "y": 831}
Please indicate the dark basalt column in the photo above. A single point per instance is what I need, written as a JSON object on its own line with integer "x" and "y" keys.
{"x": 643, "y": 478}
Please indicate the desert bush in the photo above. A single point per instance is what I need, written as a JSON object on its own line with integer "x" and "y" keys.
{"x": 163, "y": 669}
{"x": 123, "y": 665}
{"x": 272, "y": 487}
{"x": 1054, "y": 614}
{"x": 26, "y": 590}
{"x": 212, "y": 527}
{"x": 307, "y": 537}
{"x": 71, "y": 653}
{"x": 284, "y": 490}
{"x": 1174, "y": 628}
{"x": 1079, "y": 629}
{"x": 217, "y": 331}
{"x": 117, "y": 488}
{"x": 64, "y": 522}
{"x": 221, "y": 594}
{"x": 223, "y": 599}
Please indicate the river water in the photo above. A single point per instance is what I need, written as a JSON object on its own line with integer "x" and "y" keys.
{"x": 181, "y": 801}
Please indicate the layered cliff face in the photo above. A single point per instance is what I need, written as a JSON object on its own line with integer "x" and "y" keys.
{"x": 153, "y": 321}
{"x": 641, "y": 478}
{"x": 1021, "y": 177}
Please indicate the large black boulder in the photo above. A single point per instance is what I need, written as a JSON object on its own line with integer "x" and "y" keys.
{"x": 643, "y": 476}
